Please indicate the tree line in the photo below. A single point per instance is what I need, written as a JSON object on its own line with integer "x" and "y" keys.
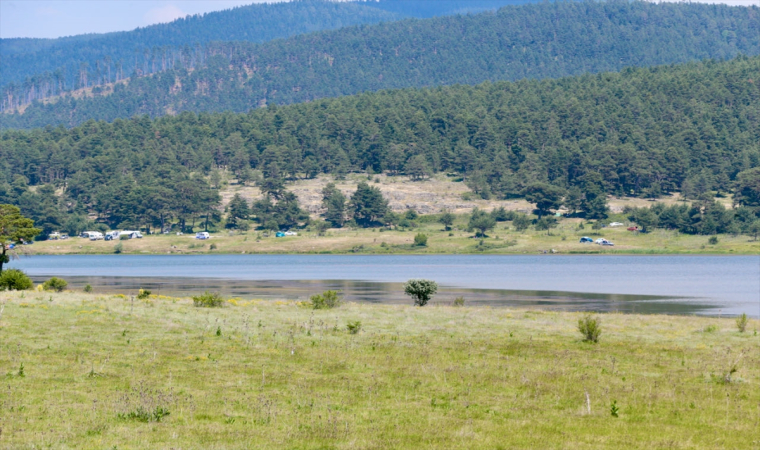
{"x": 516, "y": 42}
{"x": 645, "y": 132}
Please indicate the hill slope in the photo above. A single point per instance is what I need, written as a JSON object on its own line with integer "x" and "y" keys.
{"x": 644, "y": 131}
{"x": 126, "y": 51}
{"x": 529, "y": 41}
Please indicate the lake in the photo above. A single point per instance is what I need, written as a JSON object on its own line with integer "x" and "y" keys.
{"x": 715, "y": 285}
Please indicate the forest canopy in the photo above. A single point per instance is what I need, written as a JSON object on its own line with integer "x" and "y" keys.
{"x": 693, "y": 128}
{"x": 529, "y": 41}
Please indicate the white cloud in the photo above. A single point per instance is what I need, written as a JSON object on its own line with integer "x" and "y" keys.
{"x": 163, "y": 14}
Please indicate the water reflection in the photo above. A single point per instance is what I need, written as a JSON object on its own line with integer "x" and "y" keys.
{"x": 386, "y": 292}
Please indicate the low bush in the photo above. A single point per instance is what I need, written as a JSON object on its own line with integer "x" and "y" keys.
{"x": 420, "y": 240}
{"x": 88, "y": 288}
{"x": 713, "y": 240}
{"x": 118, "y": 248}
{"x": 459, "y": 301}
{"x": 325, "y": 300}
{"x": 14, "y": 280}
{"x": 741, "y": 323}
{"x": 420, "y": 290}
{"x": 354, "y": 327}
{"x": 208, "y": 300}
{"x": 590, "y": 327}
{"x": 55, "y": 284}
{"x": 142, "y": 294}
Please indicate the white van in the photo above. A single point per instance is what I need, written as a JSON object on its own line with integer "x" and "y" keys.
{"x": 202, "y": 235}
{"x": 96, "y": 236}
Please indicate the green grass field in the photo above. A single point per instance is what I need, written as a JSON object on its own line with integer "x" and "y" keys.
{"x": 83, "y": 371}
{"x": 502, "y": 240}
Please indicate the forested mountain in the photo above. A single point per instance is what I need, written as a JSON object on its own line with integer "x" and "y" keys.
{"x": 528, "y": 41}
{"x": 435, "y": 8}
{"x": 643, "y": 131}
{"x": 112, "y": 56}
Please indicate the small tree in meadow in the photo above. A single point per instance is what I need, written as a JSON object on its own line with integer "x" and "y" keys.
{"x": 420, "y": 290}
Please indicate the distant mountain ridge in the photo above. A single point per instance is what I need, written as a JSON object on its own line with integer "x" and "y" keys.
{"x": 530, "y": 41}
{"x": 22, "y": 58}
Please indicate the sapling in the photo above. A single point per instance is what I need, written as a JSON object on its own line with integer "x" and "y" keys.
{"x": 741, "y": 322}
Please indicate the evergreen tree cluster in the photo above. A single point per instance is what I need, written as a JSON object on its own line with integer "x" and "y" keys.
{"x": 641, "y": 132}
{"x": 516, "y": 42}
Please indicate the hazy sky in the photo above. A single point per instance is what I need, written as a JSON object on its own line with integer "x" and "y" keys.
{"x": 55, "y": 18}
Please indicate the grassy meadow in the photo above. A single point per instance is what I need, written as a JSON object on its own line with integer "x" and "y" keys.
{"x": 90, "y": 371}
{"x": 504, "y": 239}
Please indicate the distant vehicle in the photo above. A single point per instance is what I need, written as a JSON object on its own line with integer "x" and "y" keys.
{"x": 111, "y": 235}
{"x": 633, "y": 228}
{"x": 279, "y": 234}
{"x": 130, "y": 234}
{"x": 600, "y": 240}
{"x": 64, "y": 236}
{"x": 54, "y": 236}
{"x": 202, "y": 235}
{"x": 96, "y": 236}
{"x": 608, "y": 243}
{"x": 87, "y": 234}
{"x": 616, "y": 224}
{"x": 291, "y": 233}
{"x": 586, "y": 239}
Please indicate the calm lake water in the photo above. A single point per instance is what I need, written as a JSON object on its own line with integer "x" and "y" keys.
{"x": 724, "y": 285}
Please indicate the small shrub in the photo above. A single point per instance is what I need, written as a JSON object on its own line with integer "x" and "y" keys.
{"x": 142, "y": 415}
{"x": 741, "y": 322}
{"x": 212, "y": 247}
{"x": 420, "y": 290}
{"x": 459, "y": 301}
{"x": 354, "y": 327}
{"x": 208, "y": 300}
{"x": 420, "y": 240}
{"x": 123, "y": 237}
{"x": 142, "y": 294}
{"x": 710, "y": 329}
{"x": 87, "y": 288}
{"x": 118, "y": 248}
{"x": 590, "y": 327}
{"x": 15, "y": 280}
{"x": 614, "y": 410}
{"x": 55, "y": 284}
{"x": 21, "y": 371}
{"x": 325, "y": 300}
{"x": 713, "y": 240}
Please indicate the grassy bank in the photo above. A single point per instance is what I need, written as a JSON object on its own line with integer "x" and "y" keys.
{"x": 504, "y": 239}
{"x": 85, "y": 371}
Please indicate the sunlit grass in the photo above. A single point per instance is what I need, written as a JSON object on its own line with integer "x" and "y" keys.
{"x": 100, "y": 371}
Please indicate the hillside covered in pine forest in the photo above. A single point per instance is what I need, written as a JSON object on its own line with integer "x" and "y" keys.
{"x": 692, "y": 128}
{"x": 535, "y": 41}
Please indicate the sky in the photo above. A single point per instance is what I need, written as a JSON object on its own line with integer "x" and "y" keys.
{"x": 56, "y": 18}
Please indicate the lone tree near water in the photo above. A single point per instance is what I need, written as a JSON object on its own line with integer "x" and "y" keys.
{"x": 14, "y": 228}
{"x": 420, "y": 290}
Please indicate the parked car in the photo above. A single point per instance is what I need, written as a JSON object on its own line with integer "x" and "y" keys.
{"x": 291, "y": 233}
{"x": 131, "y": 234}
{"x": 616, "y": 224}
{"x": 600, "y": 240}
{"x": 586, "y": 239}
{"x": 54, "y": 236}
{"x": 279, "y": 234}
{"x": 608, "y": 243}
{"x": 202, "y": 235}
{"x": 633, "y": 228}
{"x": 96, "y": 236}
{"x": 111, "y": 235}
{"x": 64, "y": 236}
